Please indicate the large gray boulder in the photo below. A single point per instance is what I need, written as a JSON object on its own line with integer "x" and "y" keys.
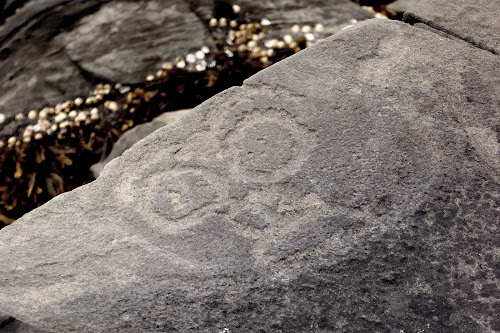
{"x": 353, "y": 187}
{"x": 473, "y": 21}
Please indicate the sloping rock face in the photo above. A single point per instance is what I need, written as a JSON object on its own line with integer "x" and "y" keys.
{"x": 352, "y": 187}
{"x": 475, "y": 22}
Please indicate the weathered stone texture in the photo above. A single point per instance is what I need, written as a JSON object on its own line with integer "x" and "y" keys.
{"x": 353, "y": 187}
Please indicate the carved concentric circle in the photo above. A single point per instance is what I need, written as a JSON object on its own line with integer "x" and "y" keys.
{"x": 175, "y": 200}
{"x": 269, "y": 145}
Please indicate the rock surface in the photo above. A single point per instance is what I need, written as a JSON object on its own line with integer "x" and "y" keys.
{"x": 7, "y": 7}
{"x": 129, "y": 138}
{"x": 3, "y": 319}
{"x": 353, "y": 187}
{"x": 473, "y": 21}
{"x": 51, "y": 51}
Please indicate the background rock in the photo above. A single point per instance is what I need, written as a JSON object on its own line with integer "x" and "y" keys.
{"x": 333, "y": 14}
{"x": 8, "y": 7}
{"x": 34, "y": 71}
{"x": 51, "y": 51}
{"x": 351, "y": 187}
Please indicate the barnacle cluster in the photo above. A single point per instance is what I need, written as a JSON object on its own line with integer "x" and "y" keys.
{"x": 49, "y": 151}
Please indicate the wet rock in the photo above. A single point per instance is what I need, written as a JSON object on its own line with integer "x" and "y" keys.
{"x": 475, "y": 22}
{"x": 51, "y": 51}
{"x": 6, "y": 4}
{"x": 352, "y": 187}
{"x": 129, "y": 138}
